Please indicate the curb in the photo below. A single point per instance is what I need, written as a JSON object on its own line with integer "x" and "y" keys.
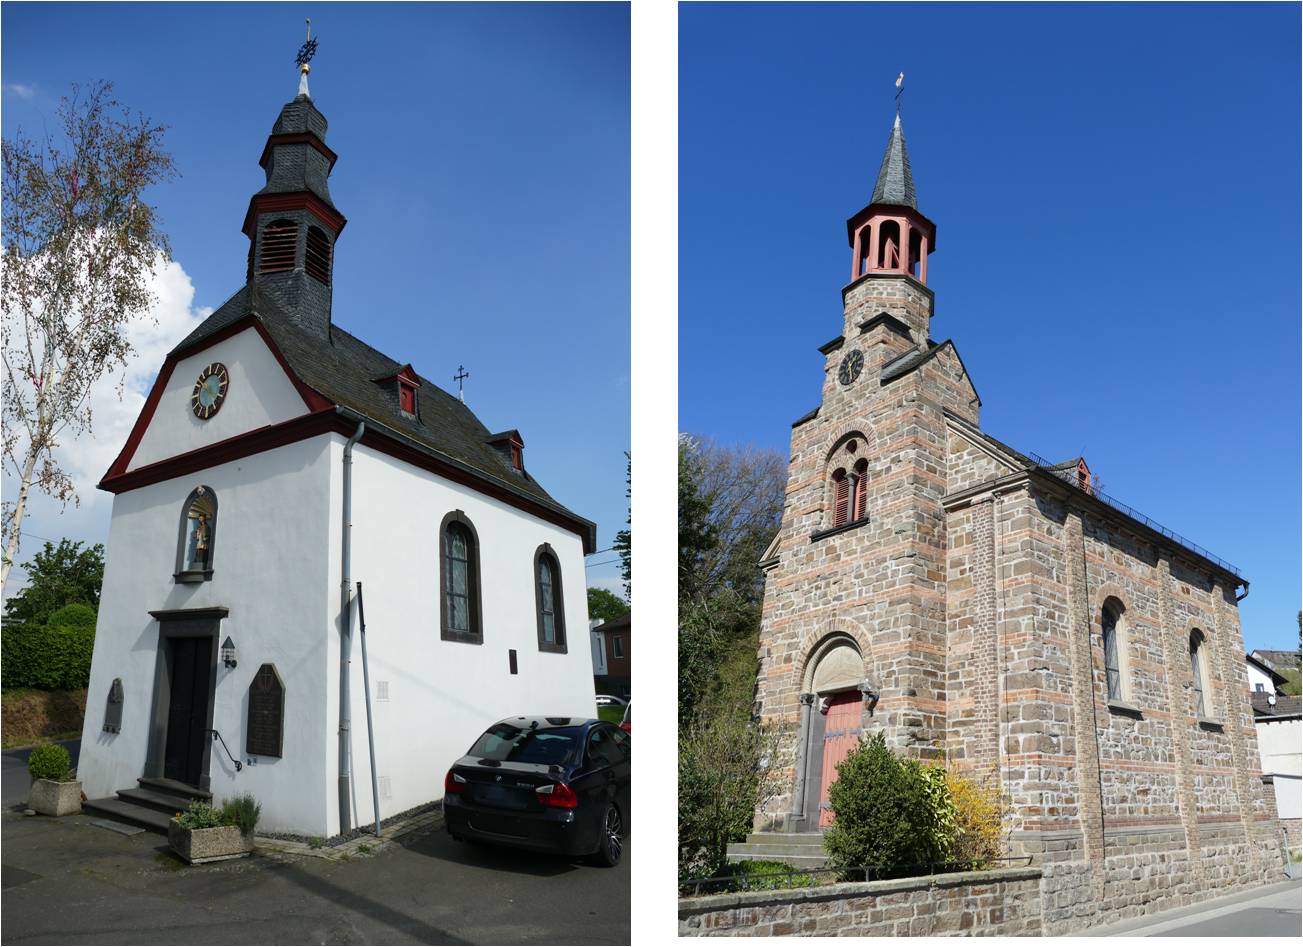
{"x": 389, "y": 836}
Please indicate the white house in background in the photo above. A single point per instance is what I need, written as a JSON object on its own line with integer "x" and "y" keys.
{"x": 1279, "y": 722}
{"x": 598, "y": 647}
{"x": 1263, "y": 678}
{"x": 279, "y": 466}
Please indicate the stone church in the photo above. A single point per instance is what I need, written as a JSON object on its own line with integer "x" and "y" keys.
{"x": 994, "y": 610}
{"x": 280, "y": 466}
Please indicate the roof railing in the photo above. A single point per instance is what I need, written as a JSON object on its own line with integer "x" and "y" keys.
{"x": 1070, "y": 477}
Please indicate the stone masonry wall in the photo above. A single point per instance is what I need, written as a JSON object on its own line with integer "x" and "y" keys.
{"x": 1003, "y": 902}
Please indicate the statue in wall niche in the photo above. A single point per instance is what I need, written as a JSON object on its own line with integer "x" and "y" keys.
{"x": 199, "y": 537}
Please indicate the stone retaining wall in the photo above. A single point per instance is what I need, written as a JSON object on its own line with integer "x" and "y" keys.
{"x": 1005, "y": 901}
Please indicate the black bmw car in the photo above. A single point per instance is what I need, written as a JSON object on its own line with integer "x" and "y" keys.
{"x": 556, "y": 784}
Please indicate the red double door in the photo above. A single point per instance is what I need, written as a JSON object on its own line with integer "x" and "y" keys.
{"x": 841, "y": 734}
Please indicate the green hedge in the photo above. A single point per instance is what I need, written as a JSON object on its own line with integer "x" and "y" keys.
{"x": 49, "y": 657}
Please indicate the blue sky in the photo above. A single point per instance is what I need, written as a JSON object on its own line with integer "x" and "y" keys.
{"x": 1116, "y": 190}
{"x": 483, "y": 168}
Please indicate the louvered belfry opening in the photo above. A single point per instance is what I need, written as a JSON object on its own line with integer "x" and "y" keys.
{"x": 280, "y": 240}
{"x": 317, "y": 260}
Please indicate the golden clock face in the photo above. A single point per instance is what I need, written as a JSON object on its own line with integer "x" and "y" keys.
{"x": 210, "y": 391}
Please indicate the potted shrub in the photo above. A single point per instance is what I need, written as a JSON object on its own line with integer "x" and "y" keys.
{"x": 55, "y": 787}
{"x": 205, "y": 833}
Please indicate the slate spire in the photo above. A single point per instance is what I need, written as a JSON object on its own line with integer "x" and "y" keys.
{"x": 895, "y": 183}
{"x": 292, "y": 223}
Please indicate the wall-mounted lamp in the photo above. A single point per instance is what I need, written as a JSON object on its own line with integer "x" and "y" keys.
{"x": 228, "y": 652}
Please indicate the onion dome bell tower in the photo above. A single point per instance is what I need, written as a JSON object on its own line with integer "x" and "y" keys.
{"x": 292, "y": 224}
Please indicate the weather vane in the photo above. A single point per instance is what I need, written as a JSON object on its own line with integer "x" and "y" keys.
{"x": 306, "y": 52}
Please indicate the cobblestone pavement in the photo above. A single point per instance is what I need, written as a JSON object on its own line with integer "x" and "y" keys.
{"x": 69, "y": 881}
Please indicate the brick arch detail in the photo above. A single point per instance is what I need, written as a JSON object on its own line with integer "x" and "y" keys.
{"x": 859, "y": 426}
{"x": 836, "y": 627}
{"x": 843, "y": 431}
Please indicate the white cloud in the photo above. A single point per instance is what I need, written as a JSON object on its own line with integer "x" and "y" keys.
{"x": 20, "y": 90}
{"x": 87, "y": 458}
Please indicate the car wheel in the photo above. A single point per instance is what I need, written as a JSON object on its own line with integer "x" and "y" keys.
{"x": 611, "y": 845}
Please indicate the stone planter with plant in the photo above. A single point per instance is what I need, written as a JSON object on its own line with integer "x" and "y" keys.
{"x": 205, "y": 833}
{"x": 55, "y": 787}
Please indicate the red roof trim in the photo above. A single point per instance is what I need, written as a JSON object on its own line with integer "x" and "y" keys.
{"x": 319, "y": 422}
{"x": 296, "y": 200}
{"x": 312, "y": 399}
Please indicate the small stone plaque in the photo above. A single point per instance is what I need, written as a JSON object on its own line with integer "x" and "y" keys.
{"x": 266, "y": 713}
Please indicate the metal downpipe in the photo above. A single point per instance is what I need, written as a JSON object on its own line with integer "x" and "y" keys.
{"x": 346, "y": 636}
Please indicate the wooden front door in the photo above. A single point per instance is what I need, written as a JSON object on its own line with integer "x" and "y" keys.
{"x": 187, "y": 716}
{"x": 840, "y": 735}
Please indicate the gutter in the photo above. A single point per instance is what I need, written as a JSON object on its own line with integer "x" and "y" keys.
{"x": 346, "y": 634}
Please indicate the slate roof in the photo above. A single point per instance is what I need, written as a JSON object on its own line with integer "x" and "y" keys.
{"x": 342, "y": 368}
{"x": 1289, "y": 660}
{"x": 1285, "y": 706}
{"x": 895, "y": 183}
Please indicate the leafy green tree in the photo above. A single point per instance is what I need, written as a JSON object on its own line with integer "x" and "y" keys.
{"x": 57, "y": 576}
{"x": 81, "y": 245}
{"x": 603, "y": 605}
{"x": 624, "y": 538}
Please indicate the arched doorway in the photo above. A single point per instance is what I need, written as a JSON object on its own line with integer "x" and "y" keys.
{"x": 835, "y": 698}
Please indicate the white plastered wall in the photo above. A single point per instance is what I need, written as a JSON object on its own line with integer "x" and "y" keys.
{"x": 442, "y": 694}
{"x": 259, "y": 394}
{"x": 270, "y": 568}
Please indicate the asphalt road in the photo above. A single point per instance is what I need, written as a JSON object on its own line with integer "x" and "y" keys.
{"x": 14, "y": 781}
{"x": 1272, "y": 911}
{"x": 67, "y": 881}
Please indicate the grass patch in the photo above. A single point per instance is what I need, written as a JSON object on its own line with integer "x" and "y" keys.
{"x": 316, "y": 842}
{"x": 610, "y": 714}
{"x": 31, "y": 716}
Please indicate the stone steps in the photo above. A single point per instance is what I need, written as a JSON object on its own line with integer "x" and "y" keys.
{"x": 800, "y": 850}
{"x": 150, "y": 804}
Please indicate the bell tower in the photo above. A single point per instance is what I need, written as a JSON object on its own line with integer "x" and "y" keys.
{"x": 890, "y": 241}
{"x": 292, "y": 224}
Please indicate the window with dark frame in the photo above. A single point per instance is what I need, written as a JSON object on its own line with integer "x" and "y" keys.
{"x": 1196, "y": 641}
{"x": 1111, "y": 670}
{"x": 548, "y": 600}
{"x": 459, "y": 604}
{"x": 617, "y": 646}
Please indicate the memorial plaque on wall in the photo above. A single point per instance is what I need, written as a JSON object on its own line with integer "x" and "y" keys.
{"x": 266, "y": 713}
{"x": 113, "y": 709}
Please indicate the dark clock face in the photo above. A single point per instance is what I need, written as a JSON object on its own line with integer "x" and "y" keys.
{"x": 210, "y": 391}
{"x": 851, "y": 366}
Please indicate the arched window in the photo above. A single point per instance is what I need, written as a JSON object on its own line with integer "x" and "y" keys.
{"x": 889, "y": 250}
{"x": 859, "y": 491}
{"x": 460, "y": 583}
{"x": 548, "y": 601}
{"x": 317, "y": 260}
{"x": 194, "y": 554}
{"x": 841, "y": 497}
{"x": 280, "y": 245}
{"x": 849, "y": 484}
{"x": 1112, "y": 669}
{"x": 1198, "y": 667}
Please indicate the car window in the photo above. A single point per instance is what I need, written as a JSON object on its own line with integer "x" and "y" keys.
{"x": 621, "y": 741}
{"x": 507, "y": 743}
{"x": 602, "y": 750}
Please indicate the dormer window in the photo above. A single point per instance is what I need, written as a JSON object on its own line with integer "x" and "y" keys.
{"x": 402, "y": 386}
{"x": 512, "y": 448}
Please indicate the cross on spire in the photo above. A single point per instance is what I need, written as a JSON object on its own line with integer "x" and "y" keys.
{"x": 306, "y": 52}
{"x": 460, "y": 377}
{"x": 900, "y": 88}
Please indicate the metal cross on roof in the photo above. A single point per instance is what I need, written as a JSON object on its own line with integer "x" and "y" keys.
{"x": 900, "y": 88}
{"x": 460, "y": 377}
{"x": 307, "y": 50}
